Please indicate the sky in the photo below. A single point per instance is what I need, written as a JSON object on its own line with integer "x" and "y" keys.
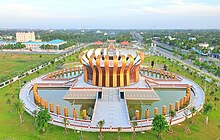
{"x": 110, "y": 14}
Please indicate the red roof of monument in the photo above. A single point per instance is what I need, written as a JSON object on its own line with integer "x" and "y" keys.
{"x": 98, "y": 42}
{"x": 125, "y": 43}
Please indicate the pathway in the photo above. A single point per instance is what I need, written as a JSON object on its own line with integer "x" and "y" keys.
{"x": 112, "y": 109}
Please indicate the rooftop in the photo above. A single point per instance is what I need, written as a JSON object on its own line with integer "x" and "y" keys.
{"x": 56, "y": 41}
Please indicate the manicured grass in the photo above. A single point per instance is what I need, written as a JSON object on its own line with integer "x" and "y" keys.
{"x": 14, "y": 64}
{"x": 10, "y": 129}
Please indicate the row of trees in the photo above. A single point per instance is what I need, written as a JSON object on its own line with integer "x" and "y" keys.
{"x": 210, "y": 67}
{"x": 13, "y": 46}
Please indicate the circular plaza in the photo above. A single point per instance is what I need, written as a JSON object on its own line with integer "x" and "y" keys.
{"x": 111, "y": 84}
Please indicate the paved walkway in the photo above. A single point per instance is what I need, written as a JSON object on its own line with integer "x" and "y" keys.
{"x": 112, "y": 109}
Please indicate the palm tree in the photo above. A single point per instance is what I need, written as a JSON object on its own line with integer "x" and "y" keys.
{"x": 216, "y": 99}
{"x": 193, "y": 110}
{"x": 35, "y": 115}
{"x": 65, "y": 125}
{"x": 187, "y": 130}
{"x": 18, "y": 106}
{"x": 119, "y": 132}
{"x": 172, "y": 114}
{"x": 206, "y": 109}
{"x": 100, "y": 126}
{"x": 186, "y": 114}
{"x": 43, "y": 117}
{"x": 9, "y": 101}
{"x": 134, "y": 124}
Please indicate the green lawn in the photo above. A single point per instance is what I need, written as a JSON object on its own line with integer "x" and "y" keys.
{"x": 13, "y": 64}
{"x": 10, "y": 129}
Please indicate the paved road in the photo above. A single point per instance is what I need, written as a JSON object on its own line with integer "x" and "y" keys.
{"x": 186, "y": 62}
{"x": 178, "y": 57}
{"x": 185, "y": 51}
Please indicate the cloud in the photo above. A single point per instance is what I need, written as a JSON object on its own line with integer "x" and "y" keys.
{"x": 13, "y": 10}
{"x": 178, "y": 7}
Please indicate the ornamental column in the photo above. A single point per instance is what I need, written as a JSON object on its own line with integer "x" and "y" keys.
{"x": 115, "y": 68}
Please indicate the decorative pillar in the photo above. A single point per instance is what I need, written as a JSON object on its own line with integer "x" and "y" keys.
{"x": 148, "y": 71}
{"x": 157, "y": 71}
{"x": 84, "y": 114}
{"x": 54, "y": 74}
{"x": 93, "y": 69}
{"x": 41, "y": 102}
{"x": 63, "y": 72}
{"x": 169, "y": 75}
{"x": 66, "y": 71}
{"x": 187, "y": 86}
{"x": 161, "y": 72}
{"x": 74, "y": 70}
{"x": 137, "y": 115}
{"x": 115, "y": 68}
{"x": 85, "y": 71}
{"x": 35, "y": 87}
{"x": 171, "y": 107}
{"x": 46, "y": 104}
{"x": 123, "y": 59}
{"x": 138, "y": 66}
{"x": 129, "y": 69}
{"x": 98, "y": 65}
{"x": 188, "y": 96}
{"x": 58, "y": 109}
{"x": 78, "y": 69}
{"x": 155, "y": 111}
{"x": 59, "y": 73}
{"x": 184, "y": 100}
{"x": 66, "y": 111}
{"x": 164, "y": 73}
{"x": 174, "y": 76}
{"x": 38, "y": 100}
{"x": 107, "y": 72}
{"x": 176, "y": 106}
{"x": 188, "y": 90}
{"x": 147, "y": 114}
{"x": 51, "y": 107}
{"x": 74, "y": 113}
{"x": 181, "y": 103}
{"x": 152, "y": 72}
{"x": 164, "y": 110}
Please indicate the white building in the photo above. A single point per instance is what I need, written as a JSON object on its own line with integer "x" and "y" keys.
{"x": 98, "y": 31}
{"x": 25, "y": 36}
{"x": 171, "y": 38}
{"x": 203, "y": 45}
{"x": 192, "y": 38}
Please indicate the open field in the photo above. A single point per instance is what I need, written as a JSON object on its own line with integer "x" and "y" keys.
{"x": 13, "y": 64}
{"x": 10, "y": 128}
